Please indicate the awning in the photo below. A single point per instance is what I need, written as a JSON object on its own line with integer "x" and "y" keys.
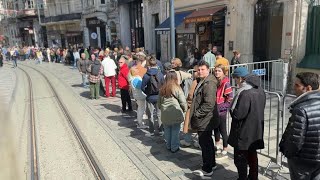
{"x": 178, "y": 19}
{"x": 204, "y": 15}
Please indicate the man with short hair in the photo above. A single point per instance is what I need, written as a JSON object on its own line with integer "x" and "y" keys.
{"x": 300, "y": 142}
{"x": 204, "y": 117}
{"x": 95, "y": 69}
{"x": 214, "y": 50}
{"x": 151, "y": 83}
{"x": 210, "y": 58}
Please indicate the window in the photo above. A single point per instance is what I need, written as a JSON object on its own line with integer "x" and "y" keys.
{"x": 30, "y": 4}
{"x": 103, "y": 1}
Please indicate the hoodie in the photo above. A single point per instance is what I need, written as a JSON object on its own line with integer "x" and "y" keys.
{"x": 145, "y": 82}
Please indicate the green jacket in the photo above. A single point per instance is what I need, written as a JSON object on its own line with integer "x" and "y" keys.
{"x": 173, "y": 108}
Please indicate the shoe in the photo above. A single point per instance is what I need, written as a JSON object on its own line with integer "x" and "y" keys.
{"x": 185, "y": 143}
{"x": 176, "y": 150}
{"x": 222, "y": 155}
{"x": 142, "y": 126}
{"x": 145, "y": 116}
{"x": 161, "y": 133}
{"x": 202, "y": 173}
{"x": 196, "y": 145}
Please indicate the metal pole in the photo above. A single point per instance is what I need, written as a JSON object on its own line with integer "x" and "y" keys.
{"x": 172, "y": 30}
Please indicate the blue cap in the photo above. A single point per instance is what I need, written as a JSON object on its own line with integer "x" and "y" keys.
{"x": 240, "y": 72}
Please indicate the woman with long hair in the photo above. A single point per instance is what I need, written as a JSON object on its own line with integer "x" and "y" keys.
{"x": 172, "y": 103}
{"x": 223, "y": 100}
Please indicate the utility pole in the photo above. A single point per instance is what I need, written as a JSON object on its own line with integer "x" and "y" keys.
{"x": 172, "y": 30}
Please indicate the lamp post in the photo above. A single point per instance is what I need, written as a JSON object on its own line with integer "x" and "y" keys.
{"x": 172, "y": 30}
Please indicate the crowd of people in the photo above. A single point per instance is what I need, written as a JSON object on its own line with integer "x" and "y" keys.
{"x": 198, "y": 103}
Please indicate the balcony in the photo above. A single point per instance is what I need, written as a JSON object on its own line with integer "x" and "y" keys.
{"x": 62, "y": 18}
{"x": 109, "y": 6}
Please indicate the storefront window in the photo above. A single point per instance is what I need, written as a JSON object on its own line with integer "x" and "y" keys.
{"x": 185, "y": 48}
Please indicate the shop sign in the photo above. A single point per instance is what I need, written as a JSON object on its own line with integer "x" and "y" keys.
{"x": 259, "y": 72}
{"x": 198, "y": 19}
{"x": 93, "y": 22}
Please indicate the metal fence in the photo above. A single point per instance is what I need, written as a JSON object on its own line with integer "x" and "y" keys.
{"x": 273, "y": 74}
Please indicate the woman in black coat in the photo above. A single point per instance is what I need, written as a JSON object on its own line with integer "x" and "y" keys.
{"x": 247, "y": 127}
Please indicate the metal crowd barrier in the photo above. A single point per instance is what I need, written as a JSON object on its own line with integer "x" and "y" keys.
{"x": 273, "y": 74}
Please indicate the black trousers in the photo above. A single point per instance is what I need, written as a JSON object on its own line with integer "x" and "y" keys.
{"x": 207, "y": 148}
{"x": 243, "y": 158}
{"x": 125, "y": 99}
{"x": 222, "y": 130}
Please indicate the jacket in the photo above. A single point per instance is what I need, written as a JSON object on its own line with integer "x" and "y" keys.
{"x": 145, "y": 82}
{"x": 173, "y": 108}
{"x": 203, "y": 113}
{"x": 301, "y": 137}
{"x": 93, "y": 78}
{"x": 83, "y": 65}
{"x": 247, "y": 124}
{"x": 135, "y": 84}
{"x": 210, "y": 59}
{"x": 224, "y": 96}
{"x": 123, "y": 77}
{"x": 109, "y": 67}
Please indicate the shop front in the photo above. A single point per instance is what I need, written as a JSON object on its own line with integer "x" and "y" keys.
{"x": 97, "y": 32}
{"x": 209, "y": 25}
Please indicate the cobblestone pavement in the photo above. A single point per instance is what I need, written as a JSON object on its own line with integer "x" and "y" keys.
{"x": 148, "y": 153}
{"x": 7, "y": 83}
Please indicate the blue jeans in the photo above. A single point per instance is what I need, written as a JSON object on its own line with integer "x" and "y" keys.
{"x": 154, "y": 116}
{"x": 14, "y": 61}
{"x": 84, "y": 80}
{"x": 187, "y": 137}
{"x": 171, "y": 135}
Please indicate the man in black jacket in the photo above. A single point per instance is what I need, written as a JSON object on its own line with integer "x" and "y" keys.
{"x": 204, "y": 117}
{"x": 247, "y": 126}
{"x": 300, "y": 142}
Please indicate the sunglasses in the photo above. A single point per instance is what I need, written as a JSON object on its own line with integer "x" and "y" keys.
{"x": 121, "y": 62}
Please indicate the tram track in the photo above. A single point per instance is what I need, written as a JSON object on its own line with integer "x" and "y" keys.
{"x": 90, "y": 158}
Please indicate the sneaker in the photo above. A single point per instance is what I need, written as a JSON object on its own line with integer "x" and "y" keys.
{"x": 202, "y": 173}
{"x": 222, "y": 155}
{"x": 142, "y": 126}
{"x": 145, "y": 116}
{"x": 196, "y": 144}
{"x": 185, "y": 143}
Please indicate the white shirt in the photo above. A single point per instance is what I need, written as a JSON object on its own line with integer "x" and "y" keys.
{"x": 76, "y": 55}
{"x": 109, "y": 67}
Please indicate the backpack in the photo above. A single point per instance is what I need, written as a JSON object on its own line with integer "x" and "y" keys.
{"x": 95, "y": 68}
{"x": 154, "y": 84}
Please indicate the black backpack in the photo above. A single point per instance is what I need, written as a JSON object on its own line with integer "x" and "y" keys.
{"x": 95, "y": 68}
{"x": 154, "y": 84}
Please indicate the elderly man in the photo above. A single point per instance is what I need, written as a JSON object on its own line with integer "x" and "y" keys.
{"x": 109, "y": 70}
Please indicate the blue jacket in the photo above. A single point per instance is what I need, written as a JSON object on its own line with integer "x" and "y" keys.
{"x": 145, "y": 81}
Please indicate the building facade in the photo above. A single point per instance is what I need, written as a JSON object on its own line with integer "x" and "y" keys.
{"x": 260, "y": 29}
{"x": 20, "y": 23}
{"x": 100, "y": 22}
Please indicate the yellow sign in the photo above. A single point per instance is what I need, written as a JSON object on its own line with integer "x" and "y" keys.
{"x": 198, "y": 19}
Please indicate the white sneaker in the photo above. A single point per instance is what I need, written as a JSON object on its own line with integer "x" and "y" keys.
{"x": 185, "y": 143}
{"x": 202, "y": 173}
{"x": 144, "y": 116}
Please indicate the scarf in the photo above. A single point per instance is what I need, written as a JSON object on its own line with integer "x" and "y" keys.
{"x": 243, "y": 86}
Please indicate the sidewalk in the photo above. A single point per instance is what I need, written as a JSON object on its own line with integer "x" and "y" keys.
{"x": 148, "y": 153}
{"x": 7, "y": 82}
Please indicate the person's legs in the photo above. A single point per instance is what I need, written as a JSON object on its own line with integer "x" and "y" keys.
{"x": 141, "y": 108}
{"x": 113, "y": 84}
{"x": 158, "y": 122}
{"x": 167, "y": 136}
{"x": 223, "y": 131}
{"x": 123, "y": 99}
{"x": 128, "y": 100}
{"x": 240, "y": 161}
{"x": 207, "y": 148}
{"x": 216, "y": 135}
{"x": 107, "y": 83}
{"x": 175, "y": 141}
{"x": 150, "y": 112}
{"x": 97, "y": 90}
{"x": 253, "y": 164}
{"x": 92, "y": 90}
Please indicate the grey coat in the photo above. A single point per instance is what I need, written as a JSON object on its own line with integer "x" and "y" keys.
{"x": 203, "y": 112}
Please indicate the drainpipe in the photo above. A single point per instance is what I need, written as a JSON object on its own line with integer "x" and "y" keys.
{"x": 172, "y": 30}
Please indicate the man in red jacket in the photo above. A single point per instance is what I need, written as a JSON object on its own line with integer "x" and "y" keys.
{"x": 124, "y": 84}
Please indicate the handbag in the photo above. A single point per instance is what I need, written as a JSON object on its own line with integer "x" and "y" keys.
{"x": 223, "y": 107}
